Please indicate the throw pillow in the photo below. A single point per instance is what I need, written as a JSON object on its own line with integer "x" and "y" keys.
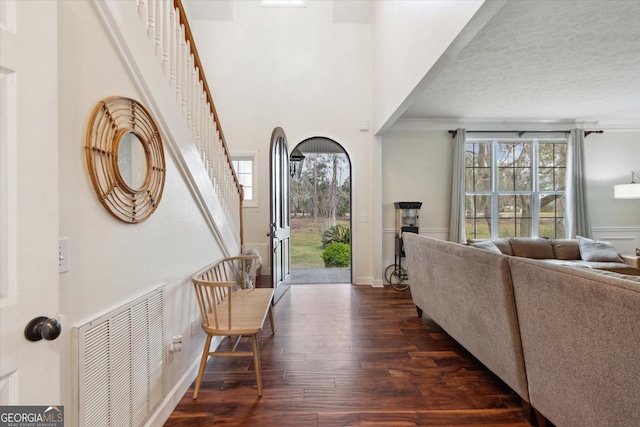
{"x": 532, "y": 247}
{"x": 502, "y": 244}
{"x": 486, "y": 245}
{"x": 595, "y": 250}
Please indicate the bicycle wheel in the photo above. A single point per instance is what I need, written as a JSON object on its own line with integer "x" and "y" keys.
{"x": 388, "y": 271}
{"x": 399, "y": 279}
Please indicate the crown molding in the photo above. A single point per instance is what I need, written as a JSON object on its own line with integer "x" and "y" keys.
{"x": 493, "y": 124}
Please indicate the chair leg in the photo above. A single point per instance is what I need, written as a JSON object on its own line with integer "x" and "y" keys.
{"x": 273, "y": 331}
{"x": 256, "y": 362}
{"x": 203, "y": 362}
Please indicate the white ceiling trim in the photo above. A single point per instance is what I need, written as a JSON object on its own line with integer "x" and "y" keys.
{"x": 492, "y": 124}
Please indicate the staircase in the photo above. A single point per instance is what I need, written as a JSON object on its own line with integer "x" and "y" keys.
{"x": 156, "y": 44}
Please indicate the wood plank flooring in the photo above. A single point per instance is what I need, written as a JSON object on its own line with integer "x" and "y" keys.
{"x": 348, "y": 355}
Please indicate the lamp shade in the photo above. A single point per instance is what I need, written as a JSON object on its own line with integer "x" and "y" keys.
{"x": 627, "y": 191}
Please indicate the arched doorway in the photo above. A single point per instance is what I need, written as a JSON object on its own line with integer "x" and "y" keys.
{"x": 320, "y": 201}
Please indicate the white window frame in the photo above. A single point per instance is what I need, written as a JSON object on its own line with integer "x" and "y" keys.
{"x": 251, "y": 156}
{"x": 534, "y": 193}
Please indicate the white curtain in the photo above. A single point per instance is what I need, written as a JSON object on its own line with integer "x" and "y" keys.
{"x": 576, "y": 215}
{"x": 457, "y": 232}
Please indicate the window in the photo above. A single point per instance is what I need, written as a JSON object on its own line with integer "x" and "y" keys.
{"x": 515, "y": 188}
{"x": 246, "y": 168}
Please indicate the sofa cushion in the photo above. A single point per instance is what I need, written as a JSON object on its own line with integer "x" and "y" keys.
{"x": 487, "y": 245}
{"x": 502, "y": 244}
{"x": 531, "y": 247}
{"x": 566, "y": 249}
{"x": 621, "y": 274}
{"x": 594, "y": 250}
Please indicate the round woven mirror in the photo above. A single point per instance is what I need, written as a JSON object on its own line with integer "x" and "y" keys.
{"x": 125, "y": 159}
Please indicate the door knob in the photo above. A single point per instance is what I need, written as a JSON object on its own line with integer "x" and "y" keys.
{"x": 272, "y": 230}
{"x": 42, "y": 327}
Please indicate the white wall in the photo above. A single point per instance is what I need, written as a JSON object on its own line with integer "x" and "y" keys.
{"x": 609, "y": 159}
{"x": 404, "y": 28}
{"x": 110, "y": 261}
{"x": 297, "y": 69}
{"x": 416, "y": 167}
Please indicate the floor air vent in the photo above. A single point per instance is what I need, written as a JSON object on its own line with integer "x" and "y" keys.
{"x": 121, "y": 364}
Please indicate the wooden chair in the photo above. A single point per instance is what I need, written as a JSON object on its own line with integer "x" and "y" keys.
{"x": 231, "y": 306}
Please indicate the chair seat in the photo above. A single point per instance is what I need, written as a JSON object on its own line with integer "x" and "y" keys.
{"x": 247, "y": 315}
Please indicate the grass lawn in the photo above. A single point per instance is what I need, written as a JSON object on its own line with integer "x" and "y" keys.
{"x": 506, "y": 228}
{"x": 306, "y": 242}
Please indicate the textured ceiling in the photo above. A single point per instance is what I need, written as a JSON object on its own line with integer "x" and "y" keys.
{"x": 547, "y": 61}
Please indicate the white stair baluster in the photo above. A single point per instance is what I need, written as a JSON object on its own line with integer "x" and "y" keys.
{"x": 158, "y": 28}
{"x": 167, "y": 6}
{"x": 203, "y": 122}
{"x": 212, "y": 152}
{"x": 179, "y": 64}
{"x": 142, "y": 11}
{"x": 185, "y": 77}
{"x": 173, "y": 47}
{"x": 187, "y": 87}
{"x": 197, "y": 121}
{"x": 194, "y": 98}
{"x": 151, "y": 25}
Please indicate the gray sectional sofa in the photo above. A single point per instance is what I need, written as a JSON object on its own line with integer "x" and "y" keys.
{"x": 563, "y": 334}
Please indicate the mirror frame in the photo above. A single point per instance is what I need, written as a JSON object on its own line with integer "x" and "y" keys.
{"x": 111, "y": 120}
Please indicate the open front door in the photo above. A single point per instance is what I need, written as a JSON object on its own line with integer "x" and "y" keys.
{"x": 280, "y": 231}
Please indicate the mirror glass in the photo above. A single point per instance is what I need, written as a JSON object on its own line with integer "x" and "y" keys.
{"x": 132, "y": 161}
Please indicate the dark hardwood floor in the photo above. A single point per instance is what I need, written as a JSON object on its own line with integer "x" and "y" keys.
{"x": 348, "y": 355}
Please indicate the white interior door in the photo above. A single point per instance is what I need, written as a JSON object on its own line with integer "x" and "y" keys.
{"x": 29, "y": 371}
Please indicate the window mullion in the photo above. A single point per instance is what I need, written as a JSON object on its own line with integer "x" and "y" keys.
{"x": 535, "y": 198}
{"x": 495, "y": 217}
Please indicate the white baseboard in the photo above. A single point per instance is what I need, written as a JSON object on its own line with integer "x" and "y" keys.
{"x": 377, "y": 283}
{"x": 171, "y": 400}
{"x": 364, "y": 281}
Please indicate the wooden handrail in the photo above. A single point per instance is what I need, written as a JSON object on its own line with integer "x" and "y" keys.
{"x": 198, "y": 63}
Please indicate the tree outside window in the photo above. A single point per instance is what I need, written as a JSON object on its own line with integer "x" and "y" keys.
{"x": 515, "y": 188}
{"x": 324, "y": 187}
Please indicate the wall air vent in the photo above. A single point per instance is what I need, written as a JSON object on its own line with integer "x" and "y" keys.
{"x": 121, "y": 363}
